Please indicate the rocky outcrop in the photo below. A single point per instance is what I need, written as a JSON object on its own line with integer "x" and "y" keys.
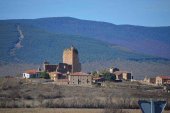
{"x": 18, "y": 45}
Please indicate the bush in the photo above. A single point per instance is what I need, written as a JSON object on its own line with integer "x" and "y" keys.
{"x": 44, "y": 75}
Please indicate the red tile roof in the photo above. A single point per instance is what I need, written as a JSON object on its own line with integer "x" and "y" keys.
{"x": 164, "y": 77}
{"x": 33, "y": 71}
{"x": 79, "y": 74}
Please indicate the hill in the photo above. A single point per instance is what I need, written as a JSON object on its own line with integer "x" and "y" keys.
{"x": 25, "y": 42}
{"x": 32, "y": 41}
{"x": 155, "y": 39}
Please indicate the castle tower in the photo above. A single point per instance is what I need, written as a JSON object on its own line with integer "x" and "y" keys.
{"x": 70, "y": 56}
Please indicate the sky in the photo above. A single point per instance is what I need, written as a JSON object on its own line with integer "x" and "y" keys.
{"x": 134, "y": 12}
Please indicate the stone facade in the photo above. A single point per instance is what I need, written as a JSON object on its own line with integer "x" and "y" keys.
{"x": 80, "y": 79}
{"x": 123, "y": 75}
{"x": 70, "y": 57}
{"x": 64, "y": 68}
{"x": 150, "y": 80}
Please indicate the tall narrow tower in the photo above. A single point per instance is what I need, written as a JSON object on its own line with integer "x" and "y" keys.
{"x": 70, "y": 56}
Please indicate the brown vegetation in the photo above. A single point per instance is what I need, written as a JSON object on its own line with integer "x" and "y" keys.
{"x": 64, "y": 110}
{"x": 16, "y": 92}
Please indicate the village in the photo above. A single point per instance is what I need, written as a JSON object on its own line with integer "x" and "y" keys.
{"x": 69, "y": 73}
{"x": 65, "y": 85}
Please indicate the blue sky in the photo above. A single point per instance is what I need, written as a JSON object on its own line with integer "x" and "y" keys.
{"x": 135, "y": 12}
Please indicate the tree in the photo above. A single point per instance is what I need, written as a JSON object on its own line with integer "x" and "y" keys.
{"x": 95, "y": 74}
{"x": 44, "y": 75}
{"x": 108, "y": 76}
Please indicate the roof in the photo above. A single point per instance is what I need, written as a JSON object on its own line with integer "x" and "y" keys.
{"x": 33, "y": 71}
{"x": 79, "y": 74}
{"x": 164, "y": 77}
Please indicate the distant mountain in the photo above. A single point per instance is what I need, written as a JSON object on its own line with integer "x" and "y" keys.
{"x": 96, "y": 39}
{"x": 25, "y": 43}
{"x": 31, "y": 41}
{"x": 149, "y": 40}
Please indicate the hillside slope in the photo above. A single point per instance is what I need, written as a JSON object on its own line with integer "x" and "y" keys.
{"x": 155, "y": 39}
{"x": 37, "y": 45}
{"x": 25, "y": 44}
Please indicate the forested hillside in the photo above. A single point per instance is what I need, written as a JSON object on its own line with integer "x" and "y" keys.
{"x": 34, "y": 40}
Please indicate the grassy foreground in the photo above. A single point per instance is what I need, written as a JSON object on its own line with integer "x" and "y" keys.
{"x": 61, "y": 110}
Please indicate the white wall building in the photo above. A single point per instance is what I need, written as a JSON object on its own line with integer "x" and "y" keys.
{"x": 31, "y": 74}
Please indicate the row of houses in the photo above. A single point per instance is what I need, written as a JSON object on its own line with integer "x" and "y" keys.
{"x": 69, "y": 71}
{"x": 116, "y": 75}
{"x": 158, "y": 80}
{"x": 76, "y": 78}
{"x": 121, "y": 75}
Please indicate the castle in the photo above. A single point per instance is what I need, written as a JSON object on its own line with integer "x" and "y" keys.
{"x": 70, "y": 63}
{"x": 70, "y": 57}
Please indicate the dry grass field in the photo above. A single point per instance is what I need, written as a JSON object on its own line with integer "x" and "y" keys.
{"x": 23, "y": 96}
{"x": 62, "y": 110}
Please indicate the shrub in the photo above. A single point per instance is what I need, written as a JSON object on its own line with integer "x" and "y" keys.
{"x": 44, "y": 75}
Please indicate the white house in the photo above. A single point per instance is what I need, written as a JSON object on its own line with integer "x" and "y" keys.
{"x": 31, "y": 74}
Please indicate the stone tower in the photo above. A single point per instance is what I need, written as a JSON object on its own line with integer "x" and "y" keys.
{"x": 70, "y": 56}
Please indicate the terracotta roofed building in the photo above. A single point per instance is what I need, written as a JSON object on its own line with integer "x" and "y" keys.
{"x": 161, "y": 80}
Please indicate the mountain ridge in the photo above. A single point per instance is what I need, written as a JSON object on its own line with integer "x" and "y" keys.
{"x": 132, "y": 37}
{"x": 100, "y": 45}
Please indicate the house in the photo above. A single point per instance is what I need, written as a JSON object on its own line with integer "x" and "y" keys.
{"x": 161, "y": 80}
{"x": 151, "y": 80}
{"x": 31, "y": 74}
{"x": 123, "y": 75}
{"x": 80, "y": 78}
